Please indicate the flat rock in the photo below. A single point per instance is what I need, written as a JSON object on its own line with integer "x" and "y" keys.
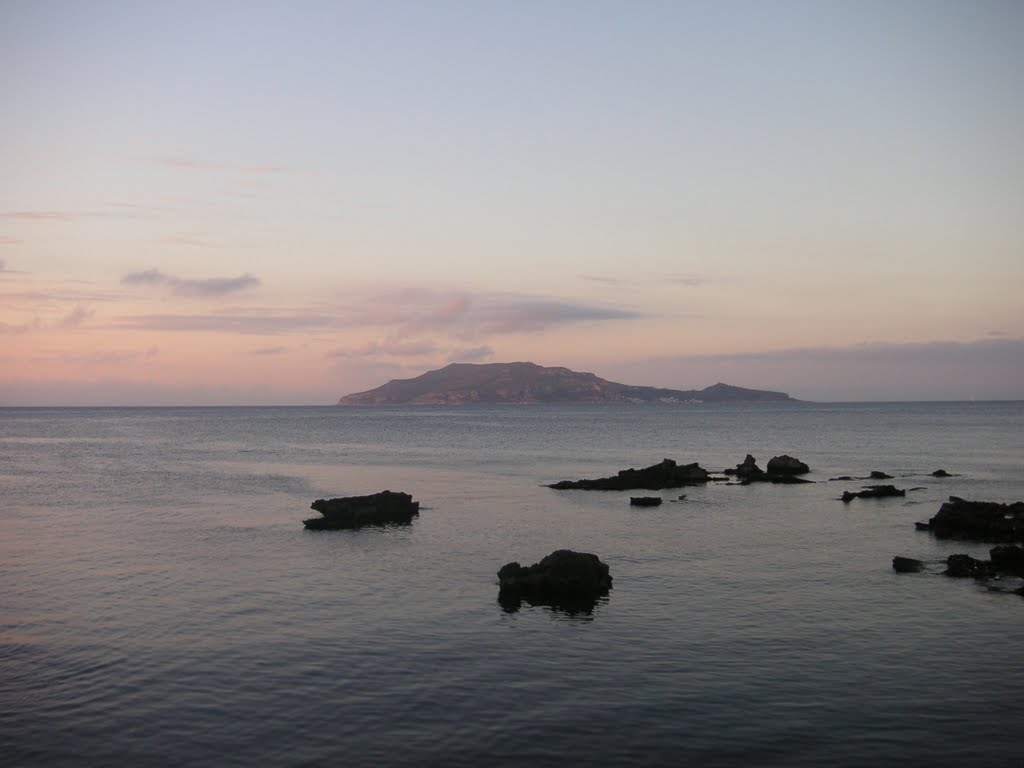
{"x": 386, "y": 507}
{"x": 665, "y": 474}
{"x": 873, "y": 492}
{"x": 645, "y": 501}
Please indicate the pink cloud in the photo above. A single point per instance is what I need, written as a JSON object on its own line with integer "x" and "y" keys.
{"x": 8, "y": 241}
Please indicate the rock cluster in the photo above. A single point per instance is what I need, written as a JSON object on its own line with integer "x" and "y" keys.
{"x": 666, "y": 474}
{"x": 781, "y": 469}
{"x": 386, "y": 507}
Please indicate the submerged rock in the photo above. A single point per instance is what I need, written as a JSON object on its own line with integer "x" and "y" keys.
{"x": 386, "y": 507}
{"x": 873, "y": 492}
{"x": 907, "y": 565}
{"x": 877, "y": 475}
{"x": 1007, "y": 558}
{"x": 645, "y": 501}
{"x": 941, "y": 473}
{"x": 564, "y": 579}
{"x": 978, "y": 520}
{"x": 666, "y": 474}
{"x": 964, "y": 566}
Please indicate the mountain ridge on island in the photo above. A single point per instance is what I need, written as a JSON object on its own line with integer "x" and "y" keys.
{"x": 525, "y": 383}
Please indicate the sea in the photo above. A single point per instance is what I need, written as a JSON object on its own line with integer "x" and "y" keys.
{"x": 161, "y": 603}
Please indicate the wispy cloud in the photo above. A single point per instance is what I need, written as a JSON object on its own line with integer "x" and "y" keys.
{"x": 269, "y": 351}
{"x": 535, "y": 315}
{"x": 212, "y": 286}
{"x": 8, "y": 241}
{"x": 388, "y": 348}
{"x": 75, "y": 317}
{"x": 103, "y": 356}
{"x": 191, "y": 164}
{"x": 261, "y": 324}
{"x": 196, "y": 241}
{"x": 14, "y": 328}
{"x": 468, "y": 317}
{"x": 690, "y": 279}
{"x": 988, "y": 368}
{"x": 36, "y": 216}
{"x": 406, "y": 318}
{"x": 471, "y": 355}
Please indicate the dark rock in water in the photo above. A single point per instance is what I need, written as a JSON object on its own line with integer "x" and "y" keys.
{"x": 906, "y": 565}
{"x": 1007, "y": 558}
{"x": 386, "y": 507}
{"x": 876, "y": 475}
{"x": 979, "y": 520}
{"x": 656, "y": 477}
{"x": 922, "y": 526}
{"x": 941, "y": 473}
{"x": 786, "y": 465}
{"x": 746, "y": 470}
{"x": 846, "y": 478}
{"x": 645, "y": 501}
{"x": 564, "y": 579}
{"x": 964, "y": 566}
{"x": 873, "y": 492}
{"x": 781, "y": 469}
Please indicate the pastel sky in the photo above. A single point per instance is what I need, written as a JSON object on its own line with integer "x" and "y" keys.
{"x": 257, "y": 203}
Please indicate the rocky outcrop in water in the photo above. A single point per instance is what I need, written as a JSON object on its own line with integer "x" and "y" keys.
{"x": 645, "y": 501}
{"x": 786, "y": 466}
{"x": 907, "y": 565}
{"x": 873, "y": 492}
{"x": 565, "y": 579}
{"x": 384, "y": 508}
{"x": 978, "y": 520}
{"x": 781, "y": 469}
{"x": 666, "y": 474}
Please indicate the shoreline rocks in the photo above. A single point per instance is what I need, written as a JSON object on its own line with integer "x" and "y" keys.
{"x": 665, "y": 474}
{"x": 384, "y": 508}
{"x": 978, "y": 520}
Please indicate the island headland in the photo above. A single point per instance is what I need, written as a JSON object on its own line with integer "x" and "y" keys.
{"x": 528, "y": 383}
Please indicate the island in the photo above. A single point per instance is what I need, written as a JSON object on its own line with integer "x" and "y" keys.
{"x": 529, "y": 383}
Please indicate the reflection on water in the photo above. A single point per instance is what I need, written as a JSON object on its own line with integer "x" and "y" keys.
{"x": 162, "y": 603}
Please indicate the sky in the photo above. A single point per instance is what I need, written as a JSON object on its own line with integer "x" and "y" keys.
{"x": 207, "y": 203}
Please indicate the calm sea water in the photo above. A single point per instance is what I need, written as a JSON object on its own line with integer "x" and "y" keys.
{"x": 161, "y": 603}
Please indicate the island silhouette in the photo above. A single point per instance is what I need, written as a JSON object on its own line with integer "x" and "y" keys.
{"x": 528, "y": 383}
